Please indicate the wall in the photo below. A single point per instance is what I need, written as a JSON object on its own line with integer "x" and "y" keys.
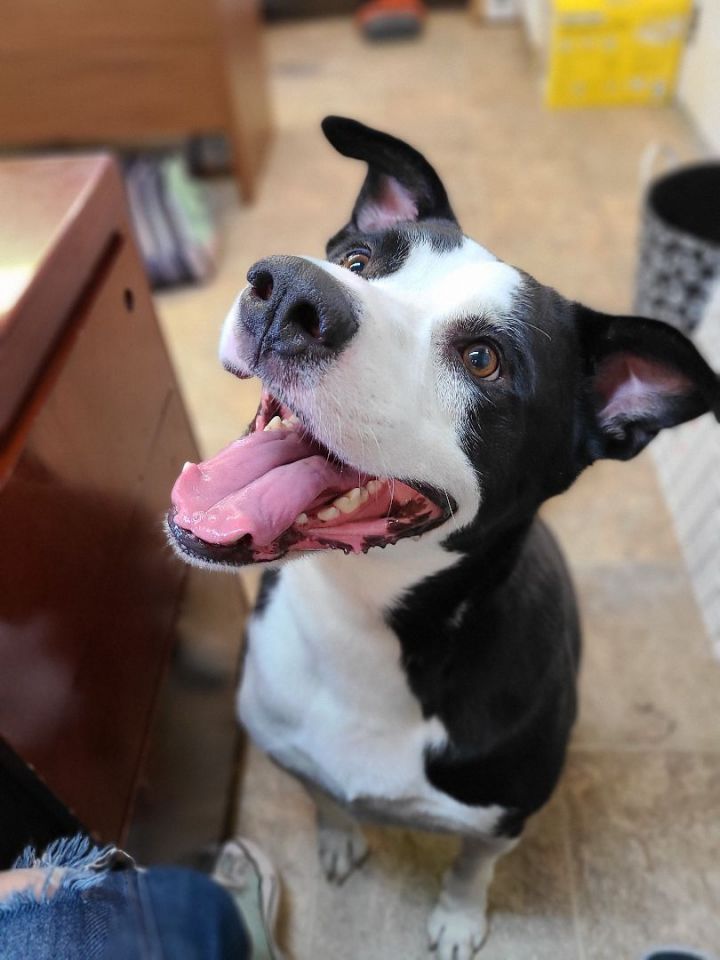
{"x": 699, "y": 89}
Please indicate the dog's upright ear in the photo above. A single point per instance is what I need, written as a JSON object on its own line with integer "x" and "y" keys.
{"x": 400, "y": 185}
{"x": 640, "y": 376}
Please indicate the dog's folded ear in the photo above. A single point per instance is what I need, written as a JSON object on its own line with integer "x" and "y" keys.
{"x": 640, "y": 376}
{"x": 400, "y": 185}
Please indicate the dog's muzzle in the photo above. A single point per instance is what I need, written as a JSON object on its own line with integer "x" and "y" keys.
{"x": 293, "y": 307}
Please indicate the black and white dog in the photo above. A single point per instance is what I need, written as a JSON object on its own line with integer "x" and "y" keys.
{"x": 422, "y": 396}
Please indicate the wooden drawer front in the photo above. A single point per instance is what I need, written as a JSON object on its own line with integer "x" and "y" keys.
{"x": 100, "y": 420}
{"x": 87, "y": 584}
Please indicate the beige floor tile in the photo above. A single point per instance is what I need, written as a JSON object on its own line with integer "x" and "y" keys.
{"x": 645, "y": 850}
{"x": 382, "y": 909}
{"x": 649, "y": 677}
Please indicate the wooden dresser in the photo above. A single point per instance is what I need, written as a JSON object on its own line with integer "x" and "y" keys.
{"x": 93, "y": 433}
{"x": 88, "y": 72}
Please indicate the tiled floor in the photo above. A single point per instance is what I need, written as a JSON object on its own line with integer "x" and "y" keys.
{"x": 628, "y": 852}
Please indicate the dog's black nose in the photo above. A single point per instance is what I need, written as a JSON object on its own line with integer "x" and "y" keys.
{"x": 293, "y": 306}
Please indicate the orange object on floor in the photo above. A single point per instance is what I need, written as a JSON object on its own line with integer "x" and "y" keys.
{"x": 391, "y": 19}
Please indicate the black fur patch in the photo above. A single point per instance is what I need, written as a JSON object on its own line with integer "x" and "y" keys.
{"x": 389, "y": 157}
{"x": 268, "y": 584}
{"x": 491, "y": 648}
{"x": 389, "y": 250}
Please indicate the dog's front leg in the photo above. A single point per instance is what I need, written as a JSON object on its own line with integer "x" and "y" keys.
{"x": 341, "y": 844}
{"x": 458, "y": 925}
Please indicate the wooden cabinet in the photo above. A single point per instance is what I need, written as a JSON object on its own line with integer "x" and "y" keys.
{"x": 88, "y": 586}
{"x": 86, "y": 72}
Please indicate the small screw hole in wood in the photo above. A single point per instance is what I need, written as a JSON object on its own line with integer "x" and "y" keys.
{"x": 129, "y": 298}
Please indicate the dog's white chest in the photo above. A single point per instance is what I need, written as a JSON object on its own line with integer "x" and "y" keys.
{"x": 324, "y": 693}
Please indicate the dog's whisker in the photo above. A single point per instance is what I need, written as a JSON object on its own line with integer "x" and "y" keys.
{"x": 539, "y": 330}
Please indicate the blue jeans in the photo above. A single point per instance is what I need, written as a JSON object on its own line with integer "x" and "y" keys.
{"x": 106, "y": 909}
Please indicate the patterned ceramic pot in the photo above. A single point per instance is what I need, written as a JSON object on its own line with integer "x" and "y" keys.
{"x": 679, "y": 246}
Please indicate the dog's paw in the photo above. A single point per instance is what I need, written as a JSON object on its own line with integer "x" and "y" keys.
{"x": 456, "y": 932}
{"x": 341, "y": 851}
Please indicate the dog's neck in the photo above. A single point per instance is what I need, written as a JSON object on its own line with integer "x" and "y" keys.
{"x": 372, "y": 584}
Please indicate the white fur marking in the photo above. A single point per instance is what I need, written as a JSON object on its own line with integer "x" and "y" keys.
{"x": 346, "y": 719}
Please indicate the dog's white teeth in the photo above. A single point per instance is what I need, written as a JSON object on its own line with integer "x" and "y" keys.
{"x": 186, "y": 466}
{"x": 282, "y": 423}
{"x": 275, "y": 424}
{"x": 350, "y": 501}
{"x": 301, "y": 519}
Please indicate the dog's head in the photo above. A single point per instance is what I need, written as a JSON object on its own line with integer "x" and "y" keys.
{"x": 413, "y": 383}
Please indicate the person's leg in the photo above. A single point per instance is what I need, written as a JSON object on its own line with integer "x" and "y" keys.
{"x": 171, "y": 913}
{"x": 53, "y": 905}
{"x": 80, "y": 902}
{"x": 32, "y": 879}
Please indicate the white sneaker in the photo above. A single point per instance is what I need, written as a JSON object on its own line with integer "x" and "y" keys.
{"x": 251, "y": 879}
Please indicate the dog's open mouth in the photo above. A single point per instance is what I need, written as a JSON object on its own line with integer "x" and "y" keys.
{"x": 278, "y": 490}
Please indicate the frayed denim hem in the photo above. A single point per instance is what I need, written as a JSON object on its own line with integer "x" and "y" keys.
{"x": 78, "y": 851}
{"x": 90, "y": 910}
{"x": 82, "y": 862}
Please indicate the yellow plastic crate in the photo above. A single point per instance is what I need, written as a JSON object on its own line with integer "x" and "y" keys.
{"x": 614, "y": 51}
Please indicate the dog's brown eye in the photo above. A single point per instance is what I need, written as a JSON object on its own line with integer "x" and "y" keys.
{"x": 482, "y": 361}
{"x": 355, "y": 262}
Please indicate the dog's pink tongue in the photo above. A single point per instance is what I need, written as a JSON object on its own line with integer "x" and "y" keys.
{"x": 256, "y": 486}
